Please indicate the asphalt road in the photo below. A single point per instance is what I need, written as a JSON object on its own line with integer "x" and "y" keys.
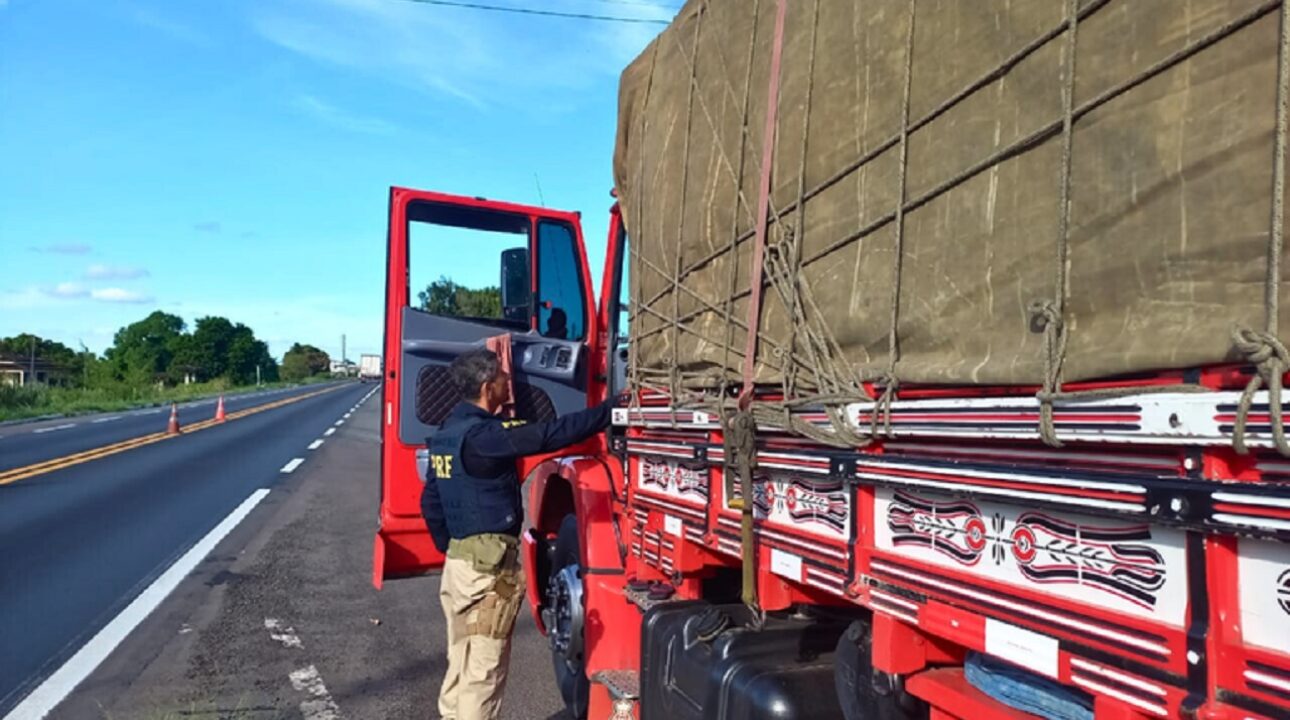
{"x": 27, "y": 443}
{"x": 278, "y": 619}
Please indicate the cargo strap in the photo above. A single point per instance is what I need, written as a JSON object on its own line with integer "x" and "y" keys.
{"x": 741, "y": 430}
{"x": 756, "y": 275}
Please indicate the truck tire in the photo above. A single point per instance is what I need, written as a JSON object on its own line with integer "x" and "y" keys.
{"x": 564, "y": 620}
{"x": 862, "y": 694}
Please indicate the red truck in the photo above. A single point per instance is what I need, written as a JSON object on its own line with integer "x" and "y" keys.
{"x": 1110, "y": 543}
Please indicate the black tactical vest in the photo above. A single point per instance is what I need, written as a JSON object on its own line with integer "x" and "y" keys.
{"x": 471, "y": 505}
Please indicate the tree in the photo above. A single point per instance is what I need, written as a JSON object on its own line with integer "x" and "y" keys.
{"x": 302, "y": 361}
{"x": 212, "y": 339}
{"x": 445, "y": 297}
{"x": 245, "y": 354}
{"x": 142, "y": 352}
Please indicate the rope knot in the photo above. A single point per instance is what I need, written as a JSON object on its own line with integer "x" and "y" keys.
{"x": 1258, "y": 347}
{"x": 1269, "y": 356}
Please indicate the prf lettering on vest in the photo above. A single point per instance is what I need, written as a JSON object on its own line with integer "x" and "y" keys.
{"x": 442, "y": 466}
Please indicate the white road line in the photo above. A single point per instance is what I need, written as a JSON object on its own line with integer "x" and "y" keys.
{"x": 320, "y": 706}
{"x": 46, "y": 697}
{"x": 283, "y": 633}
{"x": 291, "y": 466}
{"x": 316, "y": 444}
{"x": 106, "y": 419}
{"x": 52, "y": 429}
{"x": 329, "y": 431}
{"x": 338, "y": 423}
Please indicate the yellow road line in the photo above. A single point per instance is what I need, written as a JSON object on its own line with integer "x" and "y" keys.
{"x": 16, "y": 474}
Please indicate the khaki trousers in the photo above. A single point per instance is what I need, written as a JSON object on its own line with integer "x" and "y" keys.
{"x": 480, "y": 608}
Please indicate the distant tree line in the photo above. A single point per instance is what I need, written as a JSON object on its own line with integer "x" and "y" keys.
{"x": 161, "y": 349}
{"x": 445, "y": 297}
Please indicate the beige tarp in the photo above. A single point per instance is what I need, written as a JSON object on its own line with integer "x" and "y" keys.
{"x": 1170, "y": 187}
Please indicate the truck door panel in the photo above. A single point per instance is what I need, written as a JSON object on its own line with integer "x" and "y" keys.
{"x": 546, "y": 311}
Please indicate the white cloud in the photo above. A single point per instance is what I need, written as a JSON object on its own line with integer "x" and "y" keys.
{"x": 476, "y": 57}
{"x": 114, "y": 272}
{"x": 332, "y": 115}
{"x": 67, "y": 291}
{"x": 62, "y": 248}
{"x": 120, "y": 295}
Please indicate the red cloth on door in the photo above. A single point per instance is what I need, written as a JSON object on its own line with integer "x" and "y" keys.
{"x": 501, "y": 344}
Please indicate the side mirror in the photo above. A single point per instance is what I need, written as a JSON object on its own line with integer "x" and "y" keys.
{"x": 517, "y": 294}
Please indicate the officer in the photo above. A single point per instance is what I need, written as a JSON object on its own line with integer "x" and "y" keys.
{"x": 473, "y": 508}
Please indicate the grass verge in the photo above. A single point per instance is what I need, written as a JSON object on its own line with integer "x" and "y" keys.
{"x": 33, "y": 401}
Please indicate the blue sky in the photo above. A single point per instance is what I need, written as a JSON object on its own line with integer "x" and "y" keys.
{"x": 233, "y": 157}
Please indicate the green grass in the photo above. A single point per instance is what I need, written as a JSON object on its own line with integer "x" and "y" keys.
{"x": 39, "y": 400}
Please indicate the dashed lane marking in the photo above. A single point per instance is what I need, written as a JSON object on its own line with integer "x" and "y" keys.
{"x": 329, "y": 431}
{"x": 316, "y": 444}
{"x": 283, "y": 633}
{"x": 106, "y": 419}
{"x": 319, "y": 706}
{"x": 44, "y": 698}
{"x": 42, "y": 431}
{"x": 291, "y": 466}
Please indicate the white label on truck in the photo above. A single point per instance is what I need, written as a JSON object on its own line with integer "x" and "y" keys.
{"x": 1030, "y": 650}
{"x": 785, "y": 564}
{"x": 672, "y": 525}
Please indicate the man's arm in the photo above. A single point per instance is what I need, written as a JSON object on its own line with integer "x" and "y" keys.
{"x": 516, "y": 438}
{"x": 432, "y": 511}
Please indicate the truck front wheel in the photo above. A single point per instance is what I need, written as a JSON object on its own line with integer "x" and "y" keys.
{"x": 563, "y": 616}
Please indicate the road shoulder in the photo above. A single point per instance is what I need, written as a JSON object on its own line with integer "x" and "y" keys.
{"x": 281, "y": 619}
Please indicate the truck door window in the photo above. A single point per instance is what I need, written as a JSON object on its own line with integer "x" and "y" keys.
{"x": 452, "y": 260}
{"x": 559, "y": 281}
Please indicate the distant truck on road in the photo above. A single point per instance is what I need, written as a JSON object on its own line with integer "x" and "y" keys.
{"x": 369, "y": 368}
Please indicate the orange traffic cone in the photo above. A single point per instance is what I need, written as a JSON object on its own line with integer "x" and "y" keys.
{"x": 172, "y": 428}
{"x": 219, "y": 410}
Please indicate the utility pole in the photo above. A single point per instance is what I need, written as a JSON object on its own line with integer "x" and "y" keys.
{"x": 32, "y": 365}
{"x": 257, "y": 376}
{"x": 344, "y": 364}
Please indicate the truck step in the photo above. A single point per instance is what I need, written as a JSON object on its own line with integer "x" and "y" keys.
{"x": 644, "y": 599}
{"x": 949, "y": 688}
{"x": 621, "y": 684}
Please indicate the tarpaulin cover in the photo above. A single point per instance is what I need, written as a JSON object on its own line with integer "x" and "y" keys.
{"x": 1170, "y": 183}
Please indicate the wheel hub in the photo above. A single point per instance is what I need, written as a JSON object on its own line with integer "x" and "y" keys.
{"x": 564, "y": 613}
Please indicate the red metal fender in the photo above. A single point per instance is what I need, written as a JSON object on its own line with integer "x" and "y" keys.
{"x": 529, "y": 547}
{"x": 587, "y": 486}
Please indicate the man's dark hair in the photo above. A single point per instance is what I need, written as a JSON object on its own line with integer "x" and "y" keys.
{"x": 472, "y": 369}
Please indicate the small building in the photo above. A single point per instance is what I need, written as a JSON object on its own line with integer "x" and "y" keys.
{"x": 19, "y": 371}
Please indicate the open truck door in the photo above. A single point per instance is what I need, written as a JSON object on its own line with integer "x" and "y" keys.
{"x": 462, "y": 272}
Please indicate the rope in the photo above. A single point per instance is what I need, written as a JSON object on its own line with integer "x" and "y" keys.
{"x": 890, "y": 383}
{"x": 1048, "y": 317}
{"x": 1263, "y": 349}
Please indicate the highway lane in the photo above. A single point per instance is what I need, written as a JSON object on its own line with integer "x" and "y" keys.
{"x": 77, "y": 544}
{"x": 23, "y": 444}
